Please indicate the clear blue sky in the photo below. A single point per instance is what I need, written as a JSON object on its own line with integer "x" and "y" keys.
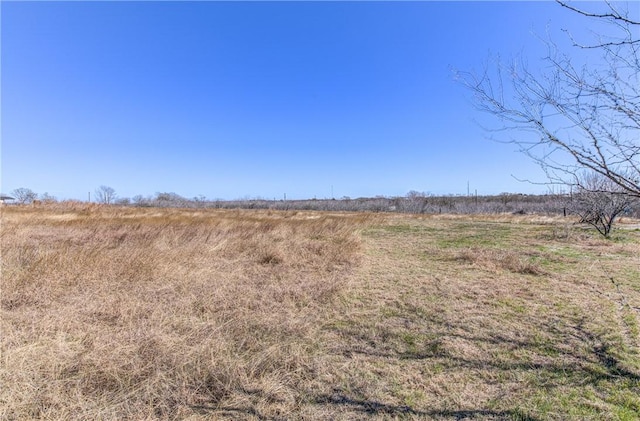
{"x": 237, "y": 99}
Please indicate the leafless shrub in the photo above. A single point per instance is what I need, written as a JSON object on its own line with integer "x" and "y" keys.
{"x": 599, "y": 202}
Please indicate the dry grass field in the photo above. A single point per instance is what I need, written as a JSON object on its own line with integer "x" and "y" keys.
{"x": 121, "y": 313}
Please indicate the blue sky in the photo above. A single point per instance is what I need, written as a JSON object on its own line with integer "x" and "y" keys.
{"x": 259, "y": 99}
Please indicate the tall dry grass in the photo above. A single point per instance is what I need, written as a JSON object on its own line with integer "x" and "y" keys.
{"x": 110, "y": 313}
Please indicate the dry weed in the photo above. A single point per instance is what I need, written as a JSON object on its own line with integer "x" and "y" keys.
{"x": 112, "y": 313}
{"x": 498, "y": 259}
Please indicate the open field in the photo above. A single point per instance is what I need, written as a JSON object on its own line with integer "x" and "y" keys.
{"x": 143, "y": 313}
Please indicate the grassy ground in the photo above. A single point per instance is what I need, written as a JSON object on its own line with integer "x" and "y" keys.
{"x": 111, "y": 313}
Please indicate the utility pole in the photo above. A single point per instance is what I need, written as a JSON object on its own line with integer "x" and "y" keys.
{"x": 89, "y": 197}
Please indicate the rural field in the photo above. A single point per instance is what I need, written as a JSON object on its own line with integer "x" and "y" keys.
{"x": 113, "y": 313}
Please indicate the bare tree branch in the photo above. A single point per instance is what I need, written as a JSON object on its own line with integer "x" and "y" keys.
{"x": 570, "y": 117}
{"x": 613, "y": 15}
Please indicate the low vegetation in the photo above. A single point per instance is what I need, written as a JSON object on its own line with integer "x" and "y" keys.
{"x": 146, "y": 313}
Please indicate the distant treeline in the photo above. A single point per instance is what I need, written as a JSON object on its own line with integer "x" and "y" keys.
{"x": 551, "y": 204}
{"x": 414, "y": 202}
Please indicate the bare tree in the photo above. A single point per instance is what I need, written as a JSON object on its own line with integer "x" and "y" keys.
{"x": 139, "y": 200}
{"x": 415, "y": 202}
{"x": 575, "y": 114}
{"x": 24, "y": 195}
{"x": 105, "y": 195}
{"x": 170, "y": 199}
{"x": 47, "y": 198}
{"x": 599, "y": 202}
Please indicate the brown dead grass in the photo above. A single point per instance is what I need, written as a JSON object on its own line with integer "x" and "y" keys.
{"x": 110, "y": 313}
{"x": 148, "y": 314}
{"x": 497, "y": 260}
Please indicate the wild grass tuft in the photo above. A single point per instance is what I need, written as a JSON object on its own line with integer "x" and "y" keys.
{"x": 497, "y": 259}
